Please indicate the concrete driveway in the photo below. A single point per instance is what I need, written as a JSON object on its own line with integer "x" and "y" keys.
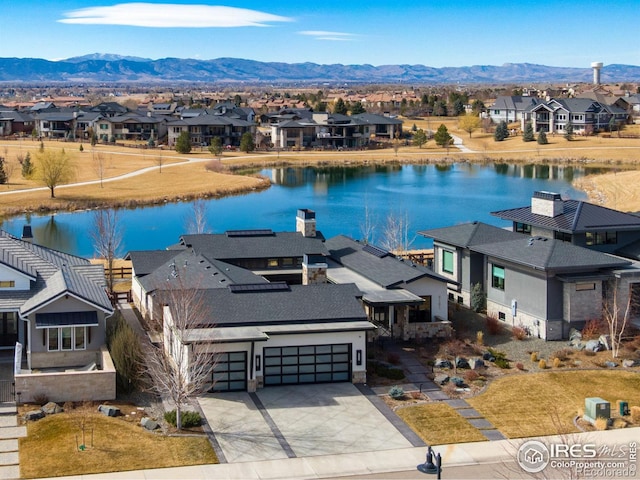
{"x": 298, "y": 421}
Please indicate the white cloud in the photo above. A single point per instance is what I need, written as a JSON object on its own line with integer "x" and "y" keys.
{"x": 171, "y": 15}
{"x": 331, "y": 36}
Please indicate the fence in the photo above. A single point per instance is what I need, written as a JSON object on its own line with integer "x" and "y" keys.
{"x": 7, "y": 391}
{"x": 119, "y": 272}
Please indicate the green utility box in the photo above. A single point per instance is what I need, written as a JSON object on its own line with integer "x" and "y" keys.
{"x": 596, "y": 407}
{"x": 624, "y": 409}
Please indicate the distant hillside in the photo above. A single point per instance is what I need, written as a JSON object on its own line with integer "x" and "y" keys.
{"x": 113, "y": 68}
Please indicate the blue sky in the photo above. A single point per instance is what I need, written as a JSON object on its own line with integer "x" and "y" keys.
{"x": 434, "y": 33}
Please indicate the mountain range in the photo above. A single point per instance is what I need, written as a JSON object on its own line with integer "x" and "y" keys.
{"x": 110, "y": 68}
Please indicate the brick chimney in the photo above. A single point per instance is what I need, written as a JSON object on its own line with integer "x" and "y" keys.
{"x": 547, "y": 204}
{"x": 314, "y": 269}
{"x": 306, "y": 222}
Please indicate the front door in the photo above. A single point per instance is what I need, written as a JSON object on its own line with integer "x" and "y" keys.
{"x": 8, "y": 329}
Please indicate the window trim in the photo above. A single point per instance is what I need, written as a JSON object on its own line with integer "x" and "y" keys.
{"x": 447, "y": 254}
{"x": 73, "y": 338}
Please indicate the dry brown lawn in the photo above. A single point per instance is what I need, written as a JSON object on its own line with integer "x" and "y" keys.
{"x": 439, "y": 424}
{"x": 546, "y": 403}
{"x": 114, "y": 446}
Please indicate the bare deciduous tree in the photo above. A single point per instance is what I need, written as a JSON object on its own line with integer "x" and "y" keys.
{"x": 368, "y": 225}
{"x": 181, "y": 368}
{"x": 395, "y": 233}
{"x": 197, "y": 222}
{"x": 99, "y": 165}
{"x": 159, "y": 159}
{"x": 616, "y": 312}
{"x": 107, "y": 239}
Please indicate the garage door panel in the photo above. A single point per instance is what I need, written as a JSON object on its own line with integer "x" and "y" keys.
{"x": 230, "y": 372}
{"x": 307, "y": 364}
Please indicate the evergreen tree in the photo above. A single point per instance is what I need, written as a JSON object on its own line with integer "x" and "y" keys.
{"x": 442, "y": 136}
{"x": 528, "y": 135}
{"x": 356, "y": 108}
{"x": 27, "y": 167}
{"x": 478, "y": 298}
{"x": 183, "y": 143}
{"x": 568, "y": 131}
{"x": 542, "y": 138}
{"x": 419, "y": 138}
{"x": 216, "y": 146}
{"x": 340, "y": 107}
{"x": 458, "y": 107}
{"x": 246, "y": 142}
{"x": 501, "y": 132}
{"x": 3, "y": 173}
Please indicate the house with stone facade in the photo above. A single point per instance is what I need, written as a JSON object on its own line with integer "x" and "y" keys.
{"x": 53, "y": 311}
{"x": 551, "y": 273}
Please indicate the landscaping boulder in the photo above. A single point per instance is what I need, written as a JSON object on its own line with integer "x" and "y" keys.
{"x": 33, "y": 415}
{"x": 630, "y": 363}
{"x": 610, "y": 364}
{"x": 442, "y": 363}
{"x": 489, "y": 357}
{"x": 476, "y": 363}
{"x": 605, "y": 340}
{"x": 109, "y": 411}
{"x": 51, "y": 408}
{"x": 149, "y": 423}
{"x": 457, "y": 381}
{"x": 441, "y": 379}
{"x": 574, "y": 336}
{"x": 462, "y": 362}
{"x": 594, "y": 346}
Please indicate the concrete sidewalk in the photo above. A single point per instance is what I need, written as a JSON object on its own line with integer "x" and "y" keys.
{"x": 501, "y": 452}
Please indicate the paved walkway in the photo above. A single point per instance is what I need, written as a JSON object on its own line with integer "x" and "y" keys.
{"x": 418, "y": 376}
{"x": 10, "y": 432}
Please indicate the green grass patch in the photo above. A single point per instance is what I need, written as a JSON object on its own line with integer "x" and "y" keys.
{"x": 546, "y": 403}
{"x": 51, "y": 447}
{"x": 438, "y": 424}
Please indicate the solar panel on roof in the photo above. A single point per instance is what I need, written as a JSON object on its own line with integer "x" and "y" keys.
{"x": 259, "y": 287}
{"x": 378, "y": 252}
{"x": 250, "y": 233}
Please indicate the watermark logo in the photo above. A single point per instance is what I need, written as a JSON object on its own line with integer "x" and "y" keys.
{"x": 533, "y": 456}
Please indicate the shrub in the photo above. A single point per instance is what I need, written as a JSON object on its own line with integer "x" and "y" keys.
{"x": 589, "y": 353}
{"x": 542, "y": 364}
{"x": 519, "y": 333}
{"x": 601, "y": 423}
{"x": 471, "y": 376}
{"x": 478, "y": 301}
{"x": 556, "y": 362}
{"x": 635, "y": 415}
{"x": 388, "y": 372}
{"x": 519, "y": 366}
{"x": 593, "y": 329}
{"x": 502, "y": 363}
{"x": 563, "y": 354}
{"x": 189, "y": 419}
{"x": 214, "y": 166}
{"x": 493, "y": 325}
{"x": 416, "y": 395}
{"x": 396, "y": 392}
{"x": 480, "y": 337}
{"x": 393, "y": 358}
{"x": 126, "y": 352}
{"x": 534, "y": 357}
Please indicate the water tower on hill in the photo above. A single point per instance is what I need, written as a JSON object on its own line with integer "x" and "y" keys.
{"x": 596, "y": 72}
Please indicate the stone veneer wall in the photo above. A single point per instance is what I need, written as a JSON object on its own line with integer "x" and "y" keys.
{"x": 70, "y": 386}
{"x": 551, "y": 330}
{"x": 441, "y": 329}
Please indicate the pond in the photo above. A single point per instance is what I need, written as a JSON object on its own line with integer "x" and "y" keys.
{"x": 427, "y": 196}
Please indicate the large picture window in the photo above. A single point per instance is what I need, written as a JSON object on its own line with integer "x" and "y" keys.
{"x": 497, "y": 277}
{"x": 601, "y": 238}
{"x": 66, "y": 338}
{"x": 447, "y": 261}
{"x": 421, "y": 313}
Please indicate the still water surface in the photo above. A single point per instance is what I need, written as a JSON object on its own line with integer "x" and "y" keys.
{"x": 431, "y": 196}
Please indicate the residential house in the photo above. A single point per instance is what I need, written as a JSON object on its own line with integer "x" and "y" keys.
{"x": 13, "y": 122}
{"x": 405, "y": 300}
{"x": 131, "y": 126}
{"x": 587, "y": 116}
{"x": 54, "y": 305}
{"x": 511, "y": 108}
{"x": 204, "y": 128}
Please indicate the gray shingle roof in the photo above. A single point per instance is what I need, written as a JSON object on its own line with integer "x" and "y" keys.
{"x": 386, "y": 271}
{"x": 469, "y": 234}
{"x": 297, "y": 304}
{"x": 550, "y": 255}
{"x": 53, "y": 274}
{"x": 275, "y": 245}
{"x": 577, "y": 216}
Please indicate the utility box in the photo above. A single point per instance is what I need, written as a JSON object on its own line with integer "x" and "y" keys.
{"x": 596, "y": 407}
{"x": 624, "y": 409}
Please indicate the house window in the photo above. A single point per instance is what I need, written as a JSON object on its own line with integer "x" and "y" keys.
{"x": 601, "y": 238}
{"x": 7, "y": 283}
{"x": 272, "y": 263}
{"x": 497, "y": 277}
{"x": 447, "y": 261}
{"x": 104, "y": 126}
{"x": 585, "y": 286}
{"x": 502, "y": 316}
{"x": 66, "y": 338}
{"x": 523, "y": 228}
{"x": 380, "y": 314}
{"x": 287, "y": 262}
{"x": 563, "y": 236}
{"x": 421, "y": 313}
